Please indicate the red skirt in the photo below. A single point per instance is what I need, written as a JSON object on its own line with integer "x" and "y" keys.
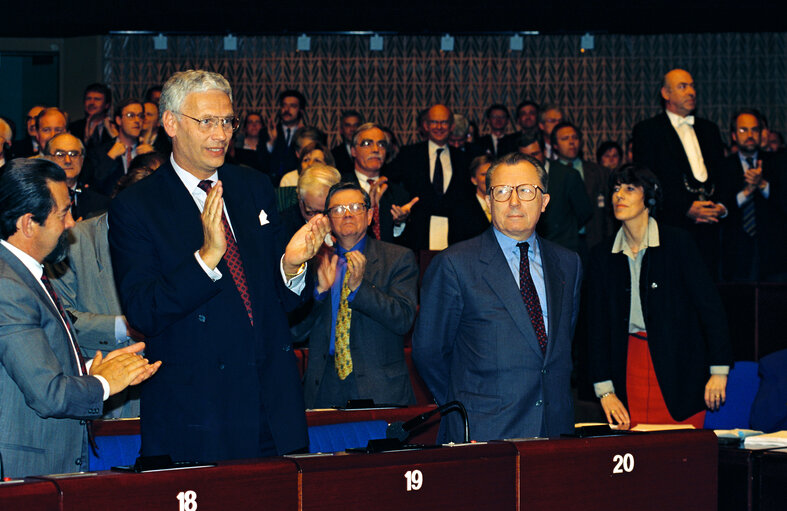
{"x": 646, "y": 403}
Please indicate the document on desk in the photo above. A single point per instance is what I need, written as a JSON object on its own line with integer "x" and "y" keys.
{"x": 661, "y": 427}
{"x": 777, "y": 439}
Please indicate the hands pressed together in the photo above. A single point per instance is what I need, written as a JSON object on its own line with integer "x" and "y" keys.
{"x": 123, "y": 367}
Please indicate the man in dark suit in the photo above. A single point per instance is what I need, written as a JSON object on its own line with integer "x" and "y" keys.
{"x": 753, "y": 239}
{"x": 351, "y": 120}
{"x": 360, "y": 357}
{"x": 281, "y": 134}
{"x": 497, "y": 117}
{"x": 390, "y": 207}
{"x": 108, "y": 162}
{"x": 28, "y": 145}
{"x": 470, "y": 216}
{"x": 527, "y": 117}
{"x": 91, "y": 129}
{"x": 569, "y": 207}
{"x": 436, "y": 173}
{"x": 47, "y": 389}
{"x": 685, "y": 152}
{"x": 567, "y": 146}
{"x": 497, "y": 316}
{"x": 68, "y": 151}
{"x": 197, "y": 254}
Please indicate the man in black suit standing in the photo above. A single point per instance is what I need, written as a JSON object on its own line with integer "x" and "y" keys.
{"x": 436, "y": 173}
{"x": 686, "y": 153}
{"x": 281, "y": 134}
{"x": 351, "y": 120}
{"x": 389, "y": 201}
{"x": 753, "y": 239}
{"x": 497, "y": 117}
{"x": 471, "y": 216}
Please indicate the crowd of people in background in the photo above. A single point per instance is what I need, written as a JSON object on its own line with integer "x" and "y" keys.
{"x": 715, "y": 206}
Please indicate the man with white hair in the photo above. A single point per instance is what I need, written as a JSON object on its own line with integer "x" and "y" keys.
{"x": 203, "y": 274}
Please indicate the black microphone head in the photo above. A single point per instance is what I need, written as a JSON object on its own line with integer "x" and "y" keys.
{"x": 396, "y": 430}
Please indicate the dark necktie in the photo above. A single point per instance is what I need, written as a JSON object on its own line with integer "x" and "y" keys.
{"x": 528, "y": 290}
{"x": 437, "y": 180}
{"x": 375, "y": 214}
{"x": 71, "y": 334}
{"x": 749, "y": 217}
{"x": 232, "y": 258}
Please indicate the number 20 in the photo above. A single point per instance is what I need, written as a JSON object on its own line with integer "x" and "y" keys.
{"x": 414, "y": 479}
{"x": 624, "y": 463}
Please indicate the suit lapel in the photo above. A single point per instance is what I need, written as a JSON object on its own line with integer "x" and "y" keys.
{"x": 503, "y": 284}
{"x": 103, "y": 258}
{"x": 555, "y": 283}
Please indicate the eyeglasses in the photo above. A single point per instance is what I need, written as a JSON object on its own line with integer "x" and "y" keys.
{"x": 355, "y": 208}
{"x": 61, "y": 155}
{"x": 382, "y": 144}
{"x": 210, "y": 123}
{"x": 434, "y": 124}
{"x": 131, "y": 115}
{"x": 525, "y": 192}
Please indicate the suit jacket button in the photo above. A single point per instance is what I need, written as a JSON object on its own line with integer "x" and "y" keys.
{"x": 221, "y": 366}
{"x": 78, "y": 461}
{"x": 287, "y": 347}
{"x": 82, "y": 422}
{"x": 539, "y": 402}
{"x": 201, "y": 318}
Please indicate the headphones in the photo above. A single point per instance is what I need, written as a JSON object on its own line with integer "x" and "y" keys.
{"x": 650, "y": 198}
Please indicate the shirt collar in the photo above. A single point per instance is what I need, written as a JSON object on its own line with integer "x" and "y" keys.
{"x": 508, "y": 244}
{"x": 36, "y": 268}
{"x": 434, "y": 147}
{"x": 651, "y": 239}
{"x": 360, "y": 247}
{"x": 753, "y": 157}
{"x": 190, "y": 181}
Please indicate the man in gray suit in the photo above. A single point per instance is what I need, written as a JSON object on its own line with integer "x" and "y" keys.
{"x": 497, "y": 316}
{"x": 375, "y": 284}
{"x": 46, "y": 388}
{"x": 85, "y": 284}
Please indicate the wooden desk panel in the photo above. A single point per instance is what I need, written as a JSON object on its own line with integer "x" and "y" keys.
{"x": 30, "y": 495}
{"x": 475, "y": 477}
{"x": 773, "y": 480}
{"x": 738, "y": 475}
{"x": 654, "y": 471}
{"x": 270, "y": 485}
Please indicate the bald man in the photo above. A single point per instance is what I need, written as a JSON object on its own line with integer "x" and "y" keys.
{"x": 686, "y": 153}
{"x": 436, "y": 173}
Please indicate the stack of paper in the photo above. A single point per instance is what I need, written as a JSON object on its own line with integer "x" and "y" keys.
{"x": 777, "y": 439}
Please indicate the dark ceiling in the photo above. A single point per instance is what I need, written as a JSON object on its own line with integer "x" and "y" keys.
{"x": 65, "y": 18}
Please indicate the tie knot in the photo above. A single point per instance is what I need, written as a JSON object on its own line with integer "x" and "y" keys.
{"x": 750, "y": 162}
{"x": 440, "y": 151}
{"x": 524, "y": 246}
{"x": 205, "y": 185}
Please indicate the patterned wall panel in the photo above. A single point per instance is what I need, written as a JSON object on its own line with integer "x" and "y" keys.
{"x": 605, "y": 91}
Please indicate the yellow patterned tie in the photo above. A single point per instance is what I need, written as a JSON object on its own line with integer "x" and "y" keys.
{"x": 342, "y": 359}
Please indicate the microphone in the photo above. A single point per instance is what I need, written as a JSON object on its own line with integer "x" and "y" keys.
{"x": 402, "y": 430}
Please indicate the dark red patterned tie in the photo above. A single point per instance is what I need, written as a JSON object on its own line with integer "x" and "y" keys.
{"x": 375, "y": 215}
{"x": 528, "y": 290}
{"x": 232, "y": 258}
{"x": 72, "y": 336}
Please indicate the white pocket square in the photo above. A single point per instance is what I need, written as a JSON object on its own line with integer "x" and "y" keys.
{"x": 263, "y": 217}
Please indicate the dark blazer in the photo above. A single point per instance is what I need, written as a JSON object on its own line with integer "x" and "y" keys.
{"x": 395, "y": 194}
{"x": 383, "y": 310}
{"x": 466, "y": 219}
{"x": 222, "y": 380}
{"x": 686, "y": 324}
{"x": 89, "y": 204}
{"x": 739, "y": 256}
{"x": 77, "y": 128}
{"x": 411, "y": 167}
{"x": 101, "y": 172}
{"x": 474, "y": 342}
{"x": 22, "y": 148}
{"x": 487, "y": 146}
{"x": 344, "y": 162}
{"x": 769, "y": 409}
{"x": 658, "y": 147}
{"x": 600, "y": 226}
{"x": 569, "y": 207}
{"x": 42, "y": 398}
{"x": 282, "y": 159}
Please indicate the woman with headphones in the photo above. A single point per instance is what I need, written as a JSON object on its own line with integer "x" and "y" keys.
{"x": 659, "y": 345}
